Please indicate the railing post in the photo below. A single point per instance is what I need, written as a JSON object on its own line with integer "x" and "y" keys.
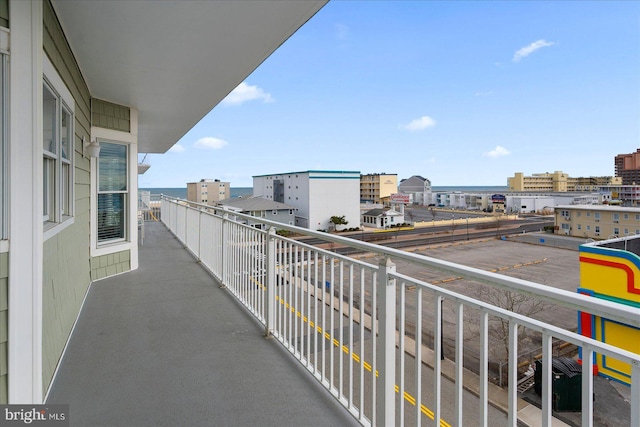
{"x": 270, "y": 258}
{"x": 386, "y": 351}
{"x": 635, "y": 394}
{"x": 224, "y": 249}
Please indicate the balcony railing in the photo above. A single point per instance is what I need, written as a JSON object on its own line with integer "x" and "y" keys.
{"x": 359, "y": 327}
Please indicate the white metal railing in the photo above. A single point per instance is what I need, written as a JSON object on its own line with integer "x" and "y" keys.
{"x": 358, "y": 327}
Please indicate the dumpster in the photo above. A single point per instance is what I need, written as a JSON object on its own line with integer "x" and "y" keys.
{"x": 566, "y": 383}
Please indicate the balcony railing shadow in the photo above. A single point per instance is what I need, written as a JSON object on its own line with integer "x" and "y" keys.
{"x": 165, "y": 346}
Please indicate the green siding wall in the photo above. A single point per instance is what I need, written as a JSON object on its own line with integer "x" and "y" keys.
{"x": 4, "y": 330}
{"x": 66, "y": 265}
{"x": 108, "y": 265}
{"x": 4, "y": 13}
{"x": 110, "y": 116}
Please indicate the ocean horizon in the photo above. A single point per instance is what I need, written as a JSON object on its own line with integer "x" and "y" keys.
{"x": 181, "y": 192}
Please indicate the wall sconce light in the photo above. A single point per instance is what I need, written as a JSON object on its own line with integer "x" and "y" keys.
{"x": 91, "y": 148}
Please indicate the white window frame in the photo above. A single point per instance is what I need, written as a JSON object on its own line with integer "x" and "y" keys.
{"x": 131, "y": 139}
{"x": 4, "y": 150}
{"x": 126, "y": 193}
{"x": 58, "y": 217}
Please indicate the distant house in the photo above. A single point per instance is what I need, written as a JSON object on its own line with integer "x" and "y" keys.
{"x": 418, "y": 186}
{"x": 382, "y": 218}
{"x": 260, "y": 208}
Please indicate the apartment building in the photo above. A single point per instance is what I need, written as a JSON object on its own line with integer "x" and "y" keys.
{"x": 596, "y": 221}
{"x": 377, "y": 187}
{"x": 317, "y": 195}
{"x": 558, "y": 182}
{"x": 209, "y": 191}
{"x": 628, "y": 167}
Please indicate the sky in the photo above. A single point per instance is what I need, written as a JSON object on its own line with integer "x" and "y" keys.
{"x": 462, "y": 93}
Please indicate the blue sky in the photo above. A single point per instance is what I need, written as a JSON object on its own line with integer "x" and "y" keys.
{"x": 463, "y": 93}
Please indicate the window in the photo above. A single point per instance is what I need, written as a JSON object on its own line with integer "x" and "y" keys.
{"x": 616, "y": 218}
{"x": 588, "y": 228}
{"x": 616, "y": 231}
{"x": 597, "y": 229}
{"x": 57, "y": 149}
{"x": 112, "y": 192}
{"x": 4, "y": 194}
{"x": 579, "y": 226}
{"x": 626, "y": 216}
{"x": 596, "y": 216}
{"x": 565, "y": 226}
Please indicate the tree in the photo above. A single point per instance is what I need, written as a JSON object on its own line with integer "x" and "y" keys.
{"x": 338, "y": 220}
{"x": 515, "y": 302}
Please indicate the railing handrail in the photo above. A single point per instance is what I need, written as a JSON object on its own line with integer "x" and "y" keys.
{"x": 529, "y": 322}
{"x": 573, "y": 300}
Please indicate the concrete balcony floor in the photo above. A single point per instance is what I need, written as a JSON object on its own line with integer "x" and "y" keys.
{"x": 165, "y": 346}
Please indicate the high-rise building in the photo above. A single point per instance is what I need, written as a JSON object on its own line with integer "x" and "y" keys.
{"x": 208, "y": 191}
{"x": 628, "y": 167}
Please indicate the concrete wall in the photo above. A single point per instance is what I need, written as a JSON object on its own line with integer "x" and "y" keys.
{"x": 65, "y": 255}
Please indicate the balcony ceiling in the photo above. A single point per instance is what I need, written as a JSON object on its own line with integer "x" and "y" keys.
{"x": 174, "y": 60}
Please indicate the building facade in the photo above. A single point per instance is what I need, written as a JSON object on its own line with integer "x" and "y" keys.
{"x": 260, "y": 208}
{"x": 382, "y": 218}
{"x": 76, "y": 111}
{"x": 596, "y": 221}
{"x": 377, "y": 187}
{"x": 316, "y": 195}
{"x": 627, "y": 167}
{"x": 625, "y": 195}
{"x": 419, "y": 187}
{"x": 558, "y": 182}
{"x": 209, "y": 191}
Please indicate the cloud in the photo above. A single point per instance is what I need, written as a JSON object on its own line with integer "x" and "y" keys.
{"x": 499, "y": 151}
{"x": 244, "y": 93}
{"x": 421, "y": 123}
{"x": 177, "y": 148}
{"x": 528, "y": 50}
{"x": 487, "y": 93}
{"x": 209, "y": 143}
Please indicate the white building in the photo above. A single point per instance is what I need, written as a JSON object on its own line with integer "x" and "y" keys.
{"x": 317, "y": 195}
{"x": 382, "y": 218}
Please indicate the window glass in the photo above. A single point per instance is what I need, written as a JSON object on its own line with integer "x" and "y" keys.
{"x": 57, "y": 146}
{"x": 112, "y": 192}
{"x": 49, "y": 104}
{"x": 112, "y": 166}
